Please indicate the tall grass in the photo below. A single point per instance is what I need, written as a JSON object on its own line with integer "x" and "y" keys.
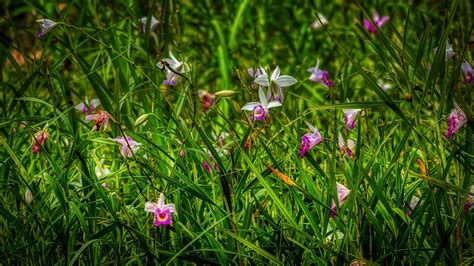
{"x": 261, "y": 203}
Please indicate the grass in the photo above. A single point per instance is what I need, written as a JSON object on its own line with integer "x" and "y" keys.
{"x": 261, "y": 203}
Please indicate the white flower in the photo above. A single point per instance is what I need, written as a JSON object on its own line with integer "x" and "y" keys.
{"x": 260, "y": 109}
{"x": 153, "y": 23}
{"x": 84, "y": 106}
{"x": 318, "y": 23}
{"x": 172, "y": 64}
{"x": 277, "y": 82}
{"x": 101, "y": 171}
{"x": 46, "y": 25}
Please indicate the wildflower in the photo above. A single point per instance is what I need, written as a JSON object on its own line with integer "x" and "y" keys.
{"x": 384, "y": 85}
{"x": 333, "y": 234}
{"x": 276, "y": 82}
{"x": 318, "y": 23}
{"x": 319, "y": 76}
{"x": 378, "y": 21}
{"x": 38, "y": 140}
{"x": 100, "y": 170}
{"x": 342, "y": 193}
{"x": 468, "y": 72}
{"x": 161, "y": 211}
{"x": 260, "y": 109}
{"x": 129, "y": 146}
{"x": 449, "y": 51}
{"x": 84, "y": 106}
{"x": 456, "y": 120}
{"x": 102, "y": 117}
{"x": 46, "y": 25}
{"x": 350, "y": 117}
{"x": 206, "y": 166}
{"x": 153, "y": 23}
{"x": 469, "y": 200}
{"x": 257, "y": 72}
{"x": 172, "y": 65}
{"x": 105, "y": 185}
{"x": 346, "y": 147}
{"x": 309, "y": 140}
{"x": 221, "y": 138}
{"x": 207, "y": 99}
{"x": 182, "y": 153}
{"x": 28, "y": 196}
{"x": 413, "y": 203}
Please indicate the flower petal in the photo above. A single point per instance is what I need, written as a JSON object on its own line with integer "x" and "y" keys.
{"x": 262, "y": 80}
{"x": 276, "y": 73}
{"x": 274, "y": 104}
{"x": 262, "y": 97}
{"x": 249, "y": 106}
{"x": 285, "y": 81}
{"x": 150, "y": 207}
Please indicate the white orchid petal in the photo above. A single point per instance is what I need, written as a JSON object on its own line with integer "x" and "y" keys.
{"x": 150, "y": 207}
{"x": 262, "y": 80}
{"x": 250, "y": 106}
{"x": 276, "y": 73}
{"x": 274, "y": 104}
{"x": 262, "y": 97}
{"x": 285, "y": 81}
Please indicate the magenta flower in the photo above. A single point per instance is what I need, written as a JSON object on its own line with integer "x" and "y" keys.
{"x": 342, "y": 193}
{"x": 38, "y": 140}
{"x": 207, "y": 99}
{"x": 161, "y": 211}
{"x": 172, "y": 64}
{"x": 320, "y": 76}
{"x": 309, "y": 140}
{"x": 260, "y": 109}
{"x": 46, "y": 25}
{"x": 469, "y": 200}
{"x": 153, "y": 23}
{"x": 379, "y": 21}
{"x": 276, "y": 82}
{"x": 346, "y": 147}
{"x": 129, "y": 146}
{"x": 206, "y": 166}
{"x": 350, "y": 117}
{"x": 102, "y": 117}
{"x": 456, "y": 120}
{"x": 467, "y": 72}
{"x": 84, "y": 106}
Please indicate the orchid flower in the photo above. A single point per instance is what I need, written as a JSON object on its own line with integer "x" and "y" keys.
{"x": 378, "y": 21}
{"x": 260, "y": 109}
{"x": 46, "y": 25}
{"x": 221, "y": 138}
{"x": 309, "y": 140}
{"x": 100, "y": 170}
{"x": 153, "y": 23}
{"x": 255, "y": 73}
{"x": 129, "y": 146}
{"x": 346, "y": 147}
{"x": 449, "y": 51}
{"x": 172, "y": 64}
{"x": 342, "y": 193}
{"x": 384, "y": 85}
{"x": 207, "y": 99}
{"x": 102, "y": 117}
{"x": 413, "y": 203}
{"x": 320, "y": 76}
{"x": 276, "y": 82}
{"x": 467, "y": 72}
{"x": 161, "y": 211}
{"x": 318, "y": 23}
{"x": 456, "y": 120}
{"x": 84, "y": 106}
{"x": 38, "y": 140}
{"x": 469, "y": 200}
{"x": 350, "y": 117}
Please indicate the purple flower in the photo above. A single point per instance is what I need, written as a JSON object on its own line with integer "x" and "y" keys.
{"x": 260, "y": 109}
{"x": 172, "y": 64}
{"x": 46, "y": 25}
{"x": 456, "y": 120}
{"x": 276, "y": 82}
{"x": 379, "y": 21}
{"x": 309, "y": 140}
{"x": 207, "y": 99}
{"x": 342, "y": 193}
{"x": 129, "y": 146}
{"x": 84, "y": 106}
{"x": 102, "y": 117}
{"x": 346, "y": 147}
{"x": 319, "y": 76}
{"x": 468, "y": 72}
{"x": 161, "y": 211}
{"x": 469, "y": 200}
{"x": 350, "y": 117}
{"x": 206, "y": 166}
{"x": 38, "y": 140}
{"x": 153, "y": 23}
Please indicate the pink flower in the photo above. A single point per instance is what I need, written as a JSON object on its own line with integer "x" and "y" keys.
{"x": 38, "y": 140}
{"x": 102, "y": 117}
{"x": 468, "y": 72}
{"x": 350, "y": 117}
{"x": 46, "y": 25}
{"x": 342, "y": 193}
{"x": 456, "y": 120}
{"x": 84, "y": 106}
{"x": 346, "y": 147}
{"x": 319, "y": 76}
{"x": 260, "y": 109}
{"x": 309, "y": 140}
{"x": 161, "y": 211}
{"x": 207, "y": 99}
{"x": 129, "y": 146}
{"x": 206, "y": 166}
{"x": 379, "y": 21}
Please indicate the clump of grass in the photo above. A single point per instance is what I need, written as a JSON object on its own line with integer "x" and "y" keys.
{"x": 377, "y": 181}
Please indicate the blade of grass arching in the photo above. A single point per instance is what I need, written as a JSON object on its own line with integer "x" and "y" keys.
{"x": 307, "y": 214}
{"x": 257, "y": 249}
{"x": 79, "y": 252}
{"x": 196, "y": 238}
{"x": 421, "y": 51}
{"x": 237, "y": 24}
{"x": 372, "y": 219}
{"x": 222, "y": 54}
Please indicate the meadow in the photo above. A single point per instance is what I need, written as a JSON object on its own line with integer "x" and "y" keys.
{"x": 236, "y": 132}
